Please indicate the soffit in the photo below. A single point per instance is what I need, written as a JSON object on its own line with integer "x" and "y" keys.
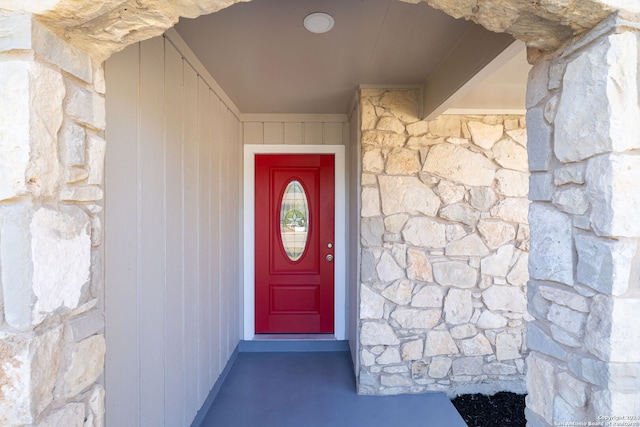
{"x": 263, "y": 58}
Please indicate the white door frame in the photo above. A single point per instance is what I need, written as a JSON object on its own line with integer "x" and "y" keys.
{"x": 250, "y": 152}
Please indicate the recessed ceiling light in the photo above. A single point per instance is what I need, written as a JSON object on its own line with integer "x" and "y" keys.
{"x": 318, "y": 22}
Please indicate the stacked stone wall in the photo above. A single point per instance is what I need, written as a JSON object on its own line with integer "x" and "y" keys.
{"x": 444, "y": 240}
{"x": 583, "y": 117}
{"x": 52, "y": 146}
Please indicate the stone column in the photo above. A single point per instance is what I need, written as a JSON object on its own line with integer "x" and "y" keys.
{"x": 51, "y": 163}
{"x": 584, "y": 139}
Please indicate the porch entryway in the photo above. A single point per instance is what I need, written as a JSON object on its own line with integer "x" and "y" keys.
{"x": 315, "y": 389}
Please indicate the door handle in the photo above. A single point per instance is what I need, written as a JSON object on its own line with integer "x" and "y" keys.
{"x": 329, "y": 257}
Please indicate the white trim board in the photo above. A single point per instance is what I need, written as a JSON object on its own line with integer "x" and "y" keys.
{"x": 340, "y": 309}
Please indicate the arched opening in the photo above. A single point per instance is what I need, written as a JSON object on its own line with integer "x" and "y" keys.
{"x": 573, "y": 213}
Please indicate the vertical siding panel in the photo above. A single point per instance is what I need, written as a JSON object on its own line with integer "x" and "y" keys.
{"x": 174, "y": 409}
{"x": 345, "y": 135}
{"x": 254, "y": 133}
{"x": 121, "y": 300}
{"x": 235, "y": 178}
{"x": 332, "y": 134}
{"x": 228, "y": 221}
{"x": 313, "y": 133}
{"x": 190, "y": 241}
{"x": 293, "y": 133}
{"x": 214, "y": 266}
{"x": 273, "y": 133}
{"x": 204, "y": 281}
{"x": 151, "y": 187}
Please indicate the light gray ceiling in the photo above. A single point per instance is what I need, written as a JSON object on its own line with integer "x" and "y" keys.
{"x": 264, "y": 59}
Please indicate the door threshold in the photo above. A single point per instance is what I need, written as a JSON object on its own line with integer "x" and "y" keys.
{"x": 293, "y": 343}
{"x": 296, "y": 337}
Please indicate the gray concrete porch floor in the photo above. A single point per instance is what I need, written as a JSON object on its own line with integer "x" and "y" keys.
{"x": 315, "y": 389}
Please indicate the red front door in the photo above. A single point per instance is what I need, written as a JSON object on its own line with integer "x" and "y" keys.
{"x": 294, "y": 243}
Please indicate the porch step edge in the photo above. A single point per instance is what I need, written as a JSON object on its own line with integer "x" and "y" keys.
{"x": 266, "y": 346}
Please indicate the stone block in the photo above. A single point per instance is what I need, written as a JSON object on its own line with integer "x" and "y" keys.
{"x": 605, "y": 265}
{"x": 541, "y": 386}
{"x": 402, "y": 161}
{"x": 458, "y": 306}
{"x": 440, "y": 343}
{"x": 371, "y": 304}
{"x": 96, "y": 148}
{"x": 388, "y": 269}
{"x": 16, "y": 33}
{"x": 485, "y": 135}
{"x": 72, "y": 143}
{"x": 459, "y": 164}
{"x": 399, "y": 292}
{"x": 599, "y": 104}
{"x": 402, "y": 103}
{"x": 567, "y": 319}
{"x": 505, "y": 298}
{"x": 368, "y": 272}
{"x": 491, "y": 320}
{"x": 445, "y": 125}
{"x": 460, "y": 212}
{"x": 496, "y": 233}
{"x": 519, "y": 273}
{"x": 608, "y": 334}
{"x": 402, "y": 194}
{"x": 455, "y": 273}
{"x": 396, "y": 380}
{"x": 83, "y": 326}
{"x": 571, "y": 200}
{"x": 537, "y": 84}
{"x": 564, "y": 297}
{"x": 96, "y": 410}
{"x": 373, "y": 333}
{"x": 461, "y": 332}
{"x": 81, "y": 193}
{"x": 551, "y": 256}
{"x": 508, "y": 346}
{"x": 61, "y": 254}
{"x": 512, "y": 183}
{"x": 28, "y": 147}
{"x": 84, "y": 366}
{"x": 610, "y": 179}
{"x": 370, "y": 202}
{"x": 418, "y": 128}
{"x": 412, "y": 350}
{"x": 85, "y": 105}
{"x": 499, "y": 369}
{"x": 539, "y": 141}
{"x": 367, "y": 114}
{"x": 382, "y": 139}
{"x": 390, "y": 124}
{"x": 418, "y": 266}
{"x": 29, "y": 363}
{"x": 371, "y": 231}
{"x": 439, "y": 367}
{"x": 389, "y": 356}
{"x": 424, "y": 232}
{"x": 539, "y": 340}
{"x": 450, "y": 192}
{"x": 616, "y": 403}
{"x": 476, "y": 346}
{"x": 471, "y": 245}
{"x": 61, "y": 53}
{"x": 518, "y": 135}
{"x": 429, "y": 296}
{"x": 572, "y": 390}
{"x": 467, "y": 366}
{"x": 511, "y": 209}
{"x": 455, "y": 232}
{"x": 372, "y": 160}
{"x": 482, "y": 198}
{"x": 569, "y": 174}
{"x": 411, "y": 318}
{"x": 70, "y": 415}
{"x": 498, "y": 264}
{"x": 511, "y": 155}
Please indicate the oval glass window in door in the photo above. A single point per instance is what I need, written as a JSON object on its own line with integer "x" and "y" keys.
{"x": 294, "y": 220}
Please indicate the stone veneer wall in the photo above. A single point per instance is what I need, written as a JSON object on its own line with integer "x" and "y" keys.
{"x": 584, "y": 293}
{"x": 52, "y": 122}
{"x": 445, "y": 245}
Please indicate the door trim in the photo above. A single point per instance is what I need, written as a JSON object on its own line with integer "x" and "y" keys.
{"x": 249, "y": 230}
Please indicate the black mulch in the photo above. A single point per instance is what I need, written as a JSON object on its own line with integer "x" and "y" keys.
{"x": 500, "y": 410}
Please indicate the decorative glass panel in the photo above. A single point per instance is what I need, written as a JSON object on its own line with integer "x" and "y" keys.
{"x": 294, "y": 220}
